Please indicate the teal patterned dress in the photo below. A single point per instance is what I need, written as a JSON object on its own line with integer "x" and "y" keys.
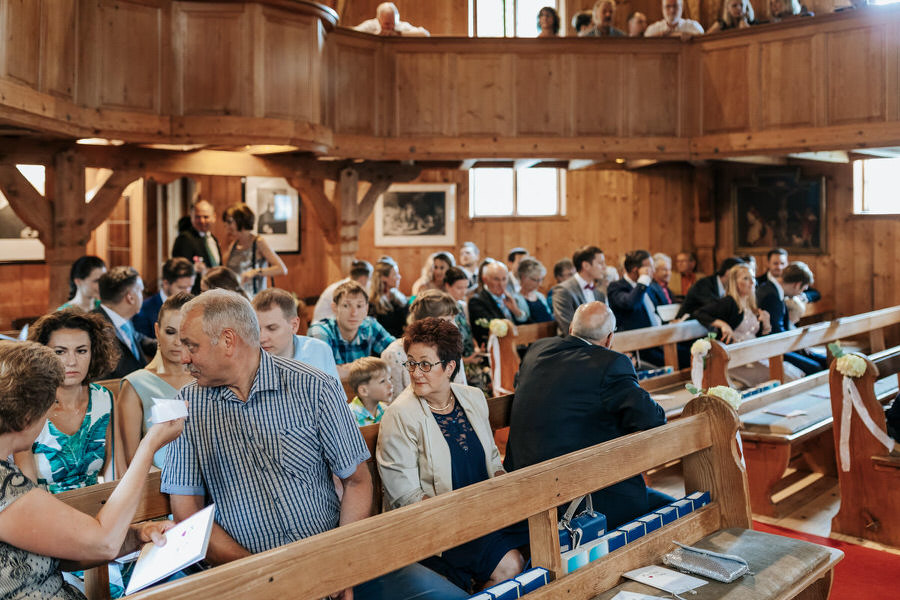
{"x": 67, "y": 462}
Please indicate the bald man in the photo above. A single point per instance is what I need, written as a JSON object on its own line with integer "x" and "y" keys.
{"x": 573, "y": 393}
{"x": 197, "y": 243}
{"x": 387, "y": 22}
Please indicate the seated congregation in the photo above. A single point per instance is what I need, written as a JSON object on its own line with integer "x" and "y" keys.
{"x": 279, "y": 435}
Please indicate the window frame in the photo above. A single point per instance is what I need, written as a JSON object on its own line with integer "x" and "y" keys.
{"x": 559, "y": 215}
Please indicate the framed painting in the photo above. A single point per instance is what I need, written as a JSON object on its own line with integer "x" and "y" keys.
{"x": 277, "y": 208}
{"x": 18, "y": 241}
{"x": 416, "y": 214}
{"x": 780, "y": 209}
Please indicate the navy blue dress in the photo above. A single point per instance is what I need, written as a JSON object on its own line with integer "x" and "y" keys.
{"x": 471, "y": 564}
{"x": 540, "y": 312}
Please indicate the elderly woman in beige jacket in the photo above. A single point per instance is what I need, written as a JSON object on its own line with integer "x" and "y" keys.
{"x": 436, "y": 437}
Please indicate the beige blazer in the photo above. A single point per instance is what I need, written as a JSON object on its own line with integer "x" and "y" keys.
{"x": 412, "y": 454}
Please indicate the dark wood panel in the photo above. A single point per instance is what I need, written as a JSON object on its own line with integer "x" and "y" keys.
{"x": 726, "y": 87}
{"x": 787, "y": 85}
{"x": 856, "y": 62}
{"x": 58, "y": 59}
{"x": 653, "y": 107}
{"x": 130, "y": 34}
{"x": 22, "y": 40}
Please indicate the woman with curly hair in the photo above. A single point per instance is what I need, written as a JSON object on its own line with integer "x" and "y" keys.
{"x": 74, "y": 446}
{"x": 433, "y": 272}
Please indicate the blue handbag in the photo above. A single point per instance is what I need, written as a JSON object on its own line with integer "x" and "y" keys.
{"x": 586, "y": 527}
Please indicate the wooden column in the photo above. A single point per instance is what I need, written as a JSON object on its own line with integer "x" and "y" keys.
{"x": 704, "y": 218}
{"x": 347, "y": 190}
{"x": 62, "y": 218}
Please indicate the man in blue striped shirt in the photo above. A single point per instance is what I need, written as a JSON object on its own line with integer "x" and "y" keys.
{"x": 263, "y": 437}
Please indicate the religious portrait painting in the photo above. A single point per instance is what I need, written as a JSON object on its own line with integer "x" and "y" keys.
{"x": 18, "y": 241}
{"x": 277, "y": 208}
{"x": 780, "y": 209}
{"x": 419, "y": 214}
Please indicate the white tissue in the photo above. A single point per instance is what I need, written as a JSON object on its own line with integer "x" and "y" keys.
{"x": 167, "y": 410}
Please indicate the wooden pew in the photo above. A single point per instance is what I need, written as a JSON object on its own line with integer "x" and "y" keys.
{"x": 318, "y": 566}
{"x": 769, "y": 454}
{"x": 870, "y": 490}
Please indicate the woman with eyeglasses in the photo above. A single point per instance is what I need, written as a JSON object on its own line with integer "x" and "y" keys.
{"x": 436, "y": 437}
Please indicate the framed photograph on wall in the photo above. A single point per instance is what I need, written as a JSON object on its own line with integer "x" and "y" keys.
{"x": 18, "y": 241}
{"x": 416, "y": 214}
{"x": 780, "y": 209}
{"x": 277, "y": 208}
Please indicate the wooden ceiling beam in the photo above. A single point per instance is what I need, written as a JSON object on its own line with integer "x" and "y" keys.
{"x": 34, "y": 209}
{"x": 325, "y": 212}
{"x": 106, "y": 198}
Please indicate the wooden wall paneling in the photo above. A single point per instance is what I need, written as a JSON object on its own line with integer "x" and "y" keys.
{"x": 21, "y": 47}
{"x": 354, "y": 84}
{"x": 58, "y": 40}
{"x": 787, "y": 85}
{"x": 130, "y": 67}
{"x": 484, "y": 100}
{"x": 24, "y": 291}
{"x": 725, "y": 89}
{"x": 213, "y": 44}
{"x": 856, "y": 60}
{"x": 422, "y": 100}
{"x": 538, "y": 110}
{"x": 652, "y": 94}
{"x": 598, "y": 108}
{"x": 288, "y": 48}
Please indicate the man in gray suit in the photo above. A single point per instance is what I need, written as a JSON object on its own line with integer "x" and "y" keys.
{"x": 590, "y": 265}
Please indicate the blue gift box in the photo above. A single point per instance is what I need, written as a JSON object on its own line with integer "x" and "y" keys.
{"x": 575, "y": 559}
{"x": 481, "y": 596}
{"x": 598, "y": 548}
{"x": 532, "y": 579}
{"x": 683, "y": 506}
{"x": 632, "y": 531}
{"x": 698, "y": 499}
{"x": 505, "y": 590}
{"x": 651, "y": 522}
{"x": 614, "y": 540}
{"x": 668, "y": 514}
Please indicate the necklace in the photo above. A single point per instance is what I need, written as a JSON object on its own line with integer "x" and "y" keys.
{"x": 438, "y": 409}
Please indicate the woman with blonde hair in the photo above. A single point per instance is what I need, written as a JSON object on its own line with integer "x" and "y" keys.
{"x": 387, "y": 303}
{"x": 736, "y": 14}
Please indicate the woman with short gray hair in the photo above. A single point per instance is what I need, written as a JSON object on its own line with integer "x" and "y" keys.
{"x": 531, "y": 275}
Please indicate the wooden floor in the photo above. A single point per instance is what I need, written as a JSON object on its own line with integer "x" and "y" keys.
{"x": 810, "y": 511}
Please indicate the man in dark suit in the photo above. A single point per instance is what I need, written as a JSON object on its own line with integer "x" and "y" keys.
{"x": 590, "y": 269}
{"x": 770, "y": 295}
{"x": 197, "y": 243}
{"x": 776, "y": 261}
{"x": 659, "y": 288}
{"x": 630, "y": 301}
{"x": 121, "y": 295}
{"x": 574, "y": 392}
{"x": 708, "y": 289}
{"x": 177, "y": 276}
{"x": 494, "y": 301}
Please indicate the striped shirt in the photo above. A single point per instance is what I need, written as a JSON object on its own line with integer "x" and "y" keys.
{"x": 267, "y": 462}
{"x": 371, "y": 339}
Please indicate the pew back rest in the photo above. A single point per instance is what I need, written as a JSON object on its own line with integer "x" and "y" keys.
{"x": 318, "y": 566}
{"x": 722, "y": 357}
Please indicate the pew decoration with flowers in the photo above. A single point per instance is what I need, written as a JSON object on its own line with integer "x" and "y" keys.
{"x": 498, "y": 328}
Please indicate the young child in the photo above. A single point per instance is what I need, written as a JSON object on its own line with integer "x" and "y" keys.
{"x": 369, "y": 378}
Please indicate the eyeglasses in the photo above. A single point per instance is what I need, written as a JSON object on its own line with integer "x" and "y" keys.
{"x": 425, "y": 366}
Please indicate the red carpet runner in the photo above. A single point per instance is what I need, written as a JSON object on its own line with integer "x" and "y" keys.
{"x": 864, "y": 574}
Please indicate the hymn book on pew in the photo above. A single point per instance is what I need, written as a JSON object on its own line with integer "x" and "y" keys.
{"x": 186, "y": 544}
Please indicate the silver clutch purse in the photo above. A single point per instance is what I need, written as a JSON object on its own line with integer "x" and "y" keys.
{"x": 721, "y": 567}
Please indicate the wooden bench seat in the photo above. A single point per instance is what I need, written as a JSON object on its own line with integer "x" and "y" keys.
{"x": 870, "y": 489}
{"x": 318, "y": 566}
{"x": 769, "y": 453}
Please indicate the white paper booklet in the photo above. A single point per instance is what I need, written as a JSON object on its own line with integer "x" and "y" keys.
{"x": 665, "y": 579}
{"x": 186, "y": 544}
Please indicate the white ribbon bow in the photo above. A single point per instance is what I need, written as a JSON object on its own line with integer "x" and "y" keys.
{"x": 853, "y": 400}
{"x": 493, "y": 347}
{"x": 697, "y": 370}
